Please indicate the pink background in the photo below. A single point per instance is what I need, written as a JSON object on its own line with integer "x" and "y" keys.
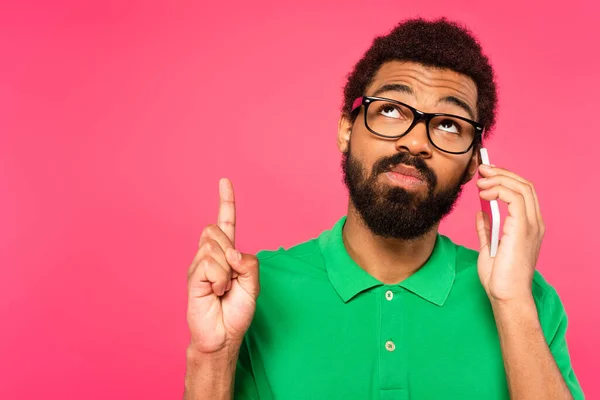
{"x": 118, "y": 118}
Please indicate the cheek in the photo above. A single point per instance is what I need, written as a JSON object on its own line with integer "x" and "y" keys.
{"x": 363, "y": 152}
{"x": 368, "y": 149}
{"x": 452, "y": 172}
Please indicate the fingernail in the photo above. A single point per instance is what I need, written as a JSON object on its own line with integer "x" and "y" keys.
{"x": 485, "y": 166}
{"x": 237, "y": 256}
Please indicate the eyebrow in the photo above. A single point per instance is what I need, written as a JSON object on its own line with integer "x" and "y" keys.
{"x": 458, "y": 102}
{"x": 398, "y": 87}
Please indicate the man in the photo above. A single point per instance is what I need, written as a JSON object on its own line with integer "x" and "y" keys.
{"x": 382, "y": 306}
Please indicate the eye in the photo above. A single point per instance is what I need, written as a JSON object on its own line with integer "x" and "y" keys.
{"x": 390, "y": 111}
{"x": 447, "y": 125}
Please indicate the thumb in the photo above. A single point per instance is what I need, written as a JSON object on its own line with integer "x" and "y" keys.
{"x": 243, "y": 264}
{"x": 246, "y": 268}
{"x": 482, "y": 223}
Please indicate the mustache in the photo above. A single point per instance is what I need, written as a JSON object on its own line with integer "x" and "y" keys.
{"x": 384, "y": 164}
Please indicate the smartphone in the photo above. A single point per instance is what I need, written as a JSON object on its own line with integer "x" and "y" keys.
{"x": 492, "y": 210}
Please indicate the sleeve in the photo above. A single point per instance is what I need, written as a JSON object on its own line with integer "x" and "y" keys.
{"x": 554, "y": 324}
{"x": 245, "y": 385}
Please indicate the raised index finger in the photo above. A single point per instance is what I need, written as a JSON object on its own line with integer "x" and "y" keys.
{"x": 226, "y": 218}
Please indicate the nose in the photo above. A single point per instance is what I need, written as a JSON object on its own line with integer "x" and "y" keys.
{"x": 415, "y": 141}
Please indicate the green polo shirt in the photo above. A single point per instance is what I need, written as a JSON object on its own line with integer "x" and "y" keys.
{"x": 326, "y": 329}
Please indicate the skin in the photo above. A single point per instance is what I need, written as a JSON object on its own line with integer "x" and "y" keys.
{"x": 223, "y": 284}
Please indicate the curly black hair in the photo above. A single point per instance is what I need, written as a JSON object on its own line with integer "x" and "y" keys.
{"x": 438, "y": 43}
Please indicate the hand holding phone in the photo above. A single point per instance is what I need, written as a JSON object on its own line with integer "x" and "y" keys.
{"x": 492, "y": 209}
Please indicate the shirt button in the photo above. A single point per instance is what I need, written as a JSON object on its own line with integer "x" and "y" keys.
{"x": 389, "y": 295}
{"x": 390, "y": 346}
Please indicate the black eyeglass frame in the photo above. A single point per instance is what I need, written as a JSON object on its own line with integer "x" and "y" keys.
{"x": 418, "y": 117}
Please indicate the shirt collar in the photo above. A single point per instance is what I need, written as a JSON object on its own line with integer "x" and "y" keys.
{"x": 432, "y": 282}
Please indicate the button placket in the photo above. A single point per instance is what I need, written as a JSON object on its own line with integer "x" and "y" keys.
{"x": 392, "y": 358}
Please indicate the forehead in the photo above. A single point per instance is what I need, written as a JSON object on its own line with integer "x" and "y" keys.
{"x": 426, "y": 81}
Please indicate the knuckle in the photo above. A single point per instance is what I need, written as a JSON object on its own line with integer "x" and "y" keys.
{"x": 531, "y": 188}
{"x": 206, "y": 262}
{"x": 225, "y": 266}
{"x": 228, "y": 224}
{"x": 205, "y": 234}
{"x": 210, "y": 263}
{"x": 515, "y": 196}
{"x": 522, "y": 187}
{"x": 209, "y": 246}
{"x": 253, "y": 262}
{"x": 211, "y": 230}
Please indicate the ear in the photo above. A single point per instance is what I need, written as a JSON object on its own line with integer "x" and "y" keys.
{"x": 474, "y": 162}
{"x": 344, "y": 131}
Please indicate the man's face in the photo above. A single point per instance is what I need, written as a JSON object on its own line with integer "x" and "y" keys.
{"x": 390, "y": 204}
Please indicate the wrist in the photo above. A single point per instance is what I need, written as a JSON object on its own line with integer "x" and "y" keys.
{"x": 225, "y": 355}
{"x": 510, "y": 296}
{"x": 517, "y": 301}
{"x": 518, "y": 308}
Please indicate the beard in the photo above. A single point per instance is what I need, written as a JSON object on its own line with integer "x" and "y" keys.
{"x": 394, "y": 212}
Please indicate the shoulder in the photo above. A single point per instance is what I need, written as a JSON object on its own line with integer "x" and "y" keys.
{"x": 544, "y": 293}
{"x": 551, "y": 311}
{"x": 296, "y": 261}
{"x": 286, "y": 275}
{"x": 542, "y": 290}
{"x": 309, "y": 252}
{"x": 465, "y": 259}
{"x": 305, "y": 251}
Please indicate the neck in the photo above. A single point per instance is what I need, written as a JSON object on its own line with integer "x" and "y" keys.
{"x": 388, "y": 260}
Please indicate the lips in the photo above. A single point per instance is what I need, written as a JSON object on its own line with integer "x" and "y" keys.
{"x": 408, "y": 171}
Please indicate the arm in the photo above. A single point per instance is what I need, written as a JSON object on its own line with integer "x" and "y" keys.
{"x": 210, "y": 377}
{"x": 531, "y": 370}
{"x": 534, "y": 349}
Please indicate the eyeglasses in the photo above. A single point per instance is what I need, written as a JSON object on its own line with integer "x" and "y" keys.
{"x": 392, "y": 119}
